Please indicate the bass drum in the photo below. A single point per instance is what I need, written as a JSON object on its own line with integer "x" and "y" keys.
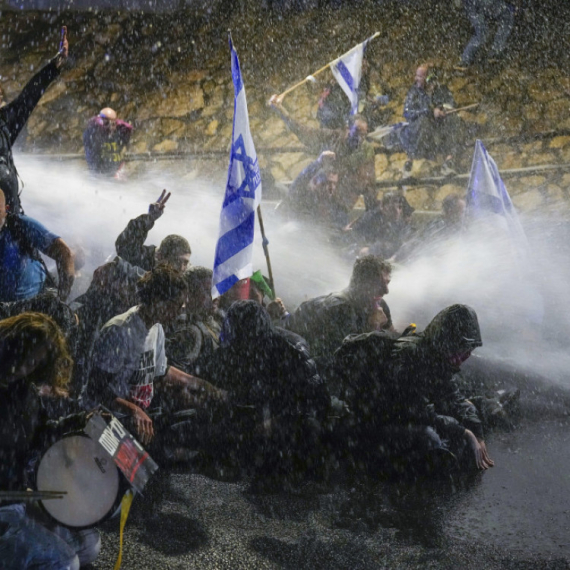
{"x": 93, "y": 484}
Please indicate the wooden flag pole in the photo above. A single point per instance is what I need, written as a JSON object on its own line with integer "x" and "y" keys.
{"x": 265, "y": 243}
{"x": 451, "y": 111}
{"x": 310, "y": 77}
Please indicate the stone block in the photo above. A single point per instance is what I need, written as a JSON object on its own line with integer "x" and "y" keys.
{"x": 212, "y": 128}
{"x": 380, "y": 163}
{"x": 529, "y": 200}
{"x": 559, "y": 142}
{"x": 167, "y": 145}
{"x": 446, "y": 190}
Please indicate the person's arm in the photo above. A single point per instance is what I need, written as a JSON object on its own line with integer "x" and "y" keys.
{"x": 302, "y": 181}
{"x": 60, "y": 252}
{"x": 125, "y": 131}
{"x": 130, "y": 242}
{"x": 16, "y": 113}
{"x": 175, "y": 378}
{"x": 313, "y": 138}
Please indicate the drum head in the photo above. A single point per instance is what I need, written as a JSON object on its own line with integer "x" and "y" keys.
{"x": 81, "y": 467}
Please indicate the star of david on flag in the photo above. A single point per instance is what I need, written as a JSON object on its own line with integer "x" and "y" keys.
{"x": 234, "y": 250}
{"x": 347, "y": 70}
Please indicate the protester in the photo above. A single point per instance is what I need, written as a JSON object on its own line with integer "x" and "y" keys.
{"x": 451, "y": 220}
{"x": 129, "y": 361}
{"x": 409, "y": 414}
{"x": 313, "y": 195}
{"x": 33, "y": 353}
{"x": 174, "y": 249}
{"x": 431, "y": 131}
{"x": 14, "y": 116}
{"x": 483, "y": 14}
{"x": 195, "y": 334}
{"x": 105, "y": 140}
{"x": 2, "y": 95}
{"x": 325, "y": 321}
{"x": 384, "y": 229}
{"x": 274, "y": 390}
{"x": 354, "y": 154}
{"x": 24, "y": 274}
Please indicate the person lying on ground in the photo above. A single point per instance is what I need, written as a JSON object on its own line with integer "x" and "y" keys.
{"x": 129, "y": 364}
{"x": 174, "y": 249}
{"x": 23, "y": 272}
{"x": 14, "y": 116}
{"x": 34, "y": 365}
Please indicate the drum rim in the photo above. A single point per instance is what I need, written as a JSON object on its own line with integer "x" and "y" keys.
{"x": 123, "y": 487}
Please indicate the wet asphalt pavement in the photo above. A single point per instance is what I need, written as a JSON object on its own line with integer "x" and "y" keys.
{"x": 515, "y": 516}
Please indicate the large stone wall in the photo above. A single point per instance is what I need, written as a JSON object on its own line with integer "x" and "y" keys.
{"x": 176, "y": 90}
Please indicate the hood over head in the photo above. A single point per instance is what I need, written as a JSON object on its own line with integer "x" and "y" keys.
{"x": 246, "y": 322}
{"x": 454, "y": 330}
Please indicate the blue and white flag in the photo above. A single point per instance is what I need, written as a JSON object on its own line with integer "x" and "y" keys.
{"x": 243, "y": 194}
{"x": 489, "y": 202}
{"x": 347, "y": 70}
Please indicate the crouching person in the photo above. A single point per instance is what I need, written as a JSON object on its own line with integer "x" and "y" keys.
{"x": 35, "y": 367}
{"x": 277, "y": 401}
{"x": 129, "y": 370}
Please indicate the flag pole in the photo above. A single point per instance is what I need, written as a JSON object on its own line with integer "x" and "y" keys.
{"x": 325, "y": 67}
{"x": 265, "y": 243}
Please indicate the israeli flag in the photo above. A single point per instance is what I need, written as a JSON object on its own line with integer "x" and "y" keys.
{"x": 347, "y": 70}
{"x": 234, "y": 249}
{"x": 489, "y": 203}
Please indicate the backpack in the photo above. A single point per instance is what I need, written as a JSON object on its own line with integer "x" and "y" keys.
{"x": 362, "y": 366}
{"x": 18, "y": 231}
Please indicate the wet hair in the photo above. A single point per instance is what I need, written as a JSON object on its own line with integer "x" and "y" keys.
{"x": 173, "y": 246}
{"x": 450, "y": 202}
{"x": 163, "y": 283}
{"x": 21, "y": 334}
{"x": 195, "y": 276}
{"x": 390, "y": 197}
{"x": 367, "y": 269}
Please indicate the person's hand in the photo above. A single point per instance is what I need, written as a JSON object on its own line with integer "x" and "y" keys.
{"x": 327, "y": 157}
{"x": 64, "y": 286}
{"x": 63, "y": 52}
{"x": 156, "y": 209}
{"x": 276, "y": 309}
{"x": 438, "y": 113}
{"x": 482, "y": 459}
{"x": 276, "y": 101}
{"x": 143, "y": 425}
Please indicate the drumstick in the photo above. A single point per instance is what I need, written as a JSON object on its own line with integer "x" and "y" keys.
{"x": 31, "y": 495}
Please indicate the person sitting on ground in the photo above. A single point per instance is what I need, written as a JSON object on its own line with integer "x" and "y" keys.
{"x": 313, "y": 194}
{"x": 423, "y": 378}
{"x": 383, "y": 230}
{"x": 409, "y": 416}
{"x": 325, "y": 321}
{"x": 431, "y": 131}
{"x": 105, "y": 140}
{"x": 14, "y": 116}
{"x": 354, "y": 154}
{"x": 195, "y": 335}
{"x": 33, "y": 353}
{"x": 274, "y": 389}
{"x": 129, "y": 363}
{"x": 174, "y": 249}
{"x": 23, "y": 273}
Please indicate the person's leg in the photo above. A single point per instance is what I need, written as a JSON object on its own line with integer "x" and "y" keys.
{"x": 505, "y": 21}
{"x": 85, "y": 543}
{"x": 479, "y": 21}
{"x": 26, "y": 543}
